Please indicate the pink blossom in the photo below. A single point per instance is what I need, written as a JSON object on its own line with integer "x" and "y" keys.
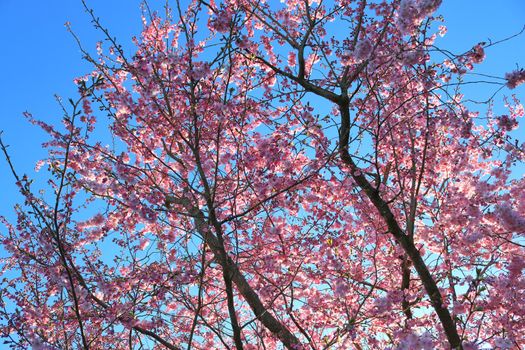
{"x": 99, "y": 47}
{"x": 304, "y": 232}
{"x": 426, "y": 7}
{"x": 470, "y": 346}
{"x": 507, "y": 123}
{"x": 37, "y": 345}
{"x": 222, "y": 23}
{"x": 466, "y": 129}
{"x": 39, "y": 165}
{"x": 144, "y": 243}
{"x": 407, "y": 14}
{"x": 477, "y": 54}
{"x": 291, "y": 59}
{"x": 442, "y": 31}
{"x": 412, "y": 12}
{"x": 515, "y": 78}
{"x": 86, "y": 106}
{"x": 413, "y": 341}
{"x": 340, "y": 289}
{"x": 413, "y": 57}
{"x": 503, "y": 343}
{"x": 363, "y": 49}
{"x": 382, "y": 304}
{"x": 516, "y": 265}
{"x": 509, "y": 218}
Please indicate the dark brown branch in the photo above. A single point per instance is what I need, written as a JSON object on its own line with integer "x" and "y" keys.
{"x": 395, "y": 229}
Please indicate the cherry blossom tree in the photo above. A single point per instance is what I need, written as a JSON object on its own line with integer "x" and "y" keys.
{"x": 301, "y": 175}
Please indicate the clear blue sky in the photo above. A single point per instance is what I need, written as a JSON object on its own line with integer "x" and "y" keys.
{"x": 40, "y": 58}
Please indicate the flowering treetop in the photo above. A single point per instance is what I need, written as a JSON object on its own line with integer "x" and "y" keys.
{"x": 302, "y": 174}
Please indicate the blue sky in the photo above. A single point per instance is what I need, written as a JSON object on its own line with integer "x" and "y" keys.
{"x": 40, "y": 59}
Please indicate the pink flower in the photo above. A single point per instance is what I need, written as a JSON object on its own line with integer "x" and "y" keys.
{"x": 509, "y": 218}
{"x": 412, "y": 12}
{"x": 412, "y": 57}
{"x": 516, "y": 265}
{"x": 515, "y": 78}
{"x": 503, "y": 343}
{"x": 291, "y": 59}
{"x": 466, "y": 129}
{"x": 442, "y": 31}
{"x": 143, "y": 244}
{"x": 477, "y": 54}
{"x": 470, "y": 346}
{"x": 37, "y": 344}
{"x": 414, "y": 341}
{"x": 340, "y": 289}
{"x": 506, "y": 123}
{"x": 426, "y": 7}
{"x": 86, "y": 106}
{"x": 363, "y": 49}
{"x": 382, "y": 304}
{"x": 222, "y": 22}
{"x": 408, "y": 13}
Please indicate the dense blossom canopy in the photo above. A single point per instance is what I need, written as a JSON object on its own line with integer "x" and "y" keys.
{"x": 301, "y": 175}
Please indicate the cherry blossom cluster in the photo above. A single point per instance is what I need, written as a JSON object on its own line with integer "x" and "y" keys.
{"x": 515, "y": 78}
{"x": 412, "y": 12}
